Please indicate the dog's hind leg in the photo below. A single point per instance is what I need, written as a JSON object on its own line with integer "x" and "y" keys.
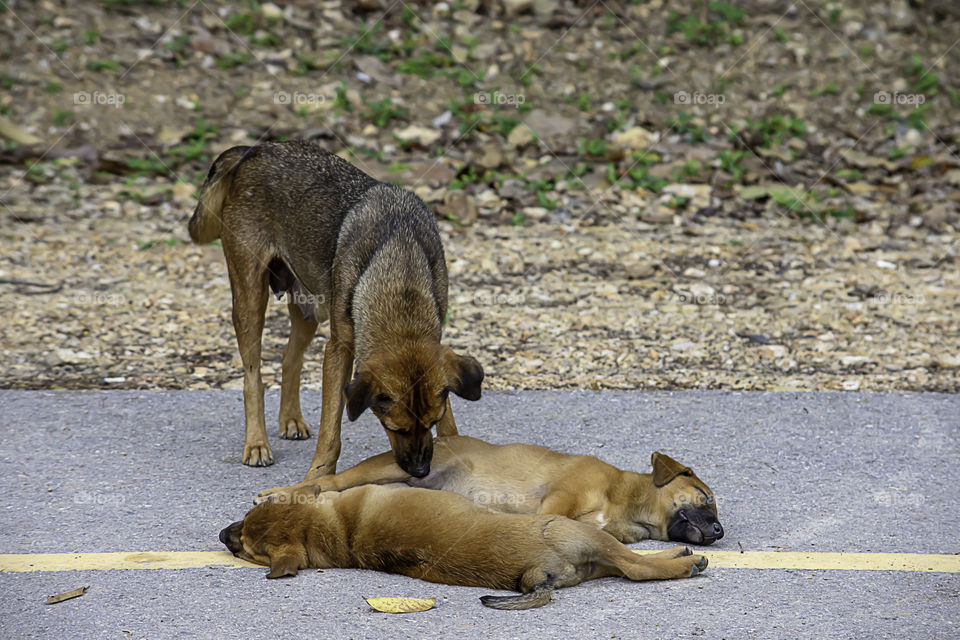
{"x": 248, "y": 284}
{"x": 302, "y": 330}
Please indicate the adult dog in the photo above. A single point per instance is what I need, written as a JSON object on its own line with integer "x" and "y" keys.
{"x": 343, "y": 246}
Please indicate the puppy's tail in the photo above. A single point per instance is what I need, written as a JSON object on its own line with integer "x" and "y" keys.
{"x": 538, "y": 596}
{"x": 206, "y": 223}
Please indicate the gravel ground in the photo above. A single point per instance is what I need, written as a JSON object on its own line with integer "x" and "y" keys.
{"x": 630, "y": 197}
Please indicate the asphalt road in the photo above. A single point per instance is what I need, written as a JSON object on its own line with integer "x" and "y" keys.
{"x": 131, "y": 471}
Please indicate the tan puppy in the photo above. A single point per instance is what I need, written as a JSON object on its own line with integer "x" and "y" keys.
{"x": 442, "y": 537}
{"x": 669, "y": 504}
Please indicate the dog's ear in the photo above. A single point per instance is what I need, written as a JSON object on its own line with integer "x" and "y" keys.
{"x": 283, "y": 563}
{"x": 359, "y": 394}
{"x": 464, "y": 375}
{"x": 665, "y": 468}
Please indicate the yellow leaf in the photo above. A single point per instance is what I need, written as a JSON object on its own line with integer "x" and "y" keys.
{"x": 401, "y": 605}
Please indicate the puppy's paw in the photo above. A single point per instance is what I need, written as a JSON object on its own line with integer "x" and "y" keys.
{"x": 257, "y": 455}
{"x": 294, "y": 428}
{"x": 675, "y": 552}
{"x": 277, "y": 494}
{"x": 699, "y": 565}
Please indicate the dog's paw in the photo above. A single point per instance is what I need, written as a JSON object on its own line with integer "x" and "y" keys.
{"x": 294, "y": 428}
{"x": 675, "y": 552}
{"x": 277, "y": 494}
{"x": 257, "y": 455}
{"x": 698, "y": 566}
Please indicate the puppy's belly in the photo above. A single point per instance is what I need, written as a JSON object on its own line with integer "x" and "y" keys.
{"x": 506, "y": 496}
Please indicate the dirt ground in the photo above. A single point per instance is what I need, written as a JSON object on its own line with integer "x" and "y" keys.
{"x": 745, "y": 195}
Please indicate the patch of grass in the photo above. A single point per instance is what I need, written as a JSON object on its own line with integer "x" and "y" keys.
{"x": 340, "y": 100}
{"x": 381, "y": 113}
{"x": 103, "y": 65}
{"x": 683, "y": 124}
{"x": 233, "y": 59}
{"x": 922, "y": 79}
{"x": 425, "y": 64}
{"x": 62, "y": 117}
{"x": 829, "y": 89}
{"x": 850, "y": 174}
{"x": 369, "y": 42}
{"x": 721, "y": 19}
{"x": 774, "y": 130}
{"x": 90, "y": 37}
{"x": 53, "y": 87}
{"x": 689, "y": 169}
{"x": 730, "y": 161}
{"x": 592, "y": 147}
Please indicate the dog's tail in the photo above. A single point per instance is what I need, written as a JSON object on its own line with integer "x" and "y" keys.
{"x": 206, "y": 223}
{"x": 538, "y": 596}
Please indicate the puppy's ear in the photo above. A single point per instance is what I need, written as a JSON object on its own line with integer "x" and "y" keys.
{"x": 359, "y": 394}
{"x": 464, "y": 375}
{"x": 283, "y": 563}
{"x": 665, "y": 468}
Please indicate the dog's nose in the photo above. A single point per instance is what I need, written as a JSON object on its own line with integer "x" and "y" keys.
{"x": 717, "y": 530}
{"x": 420, "y": 470}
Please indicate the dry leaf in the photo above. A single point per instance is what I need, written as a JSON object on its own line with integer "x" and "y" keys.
{"x": 401, "y": 605}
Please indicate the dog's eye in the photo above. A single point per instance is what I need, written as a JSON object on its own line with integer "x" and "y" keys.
{"x": 383, "y": 398}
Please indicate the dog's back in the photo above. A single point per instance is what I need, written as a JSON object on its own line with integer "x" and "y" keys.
{"x": 299, "y": 204}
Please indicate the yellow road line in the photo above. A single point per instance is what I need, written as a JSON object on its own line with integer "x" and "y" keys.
{"x": 813, "y": 561}
{"x": 926, "y": 562}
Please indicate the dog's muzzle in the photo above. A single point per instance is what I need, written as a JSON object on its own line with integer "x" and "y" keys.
{"x": 695, "y": 526}
{"x": 230, "y": 536}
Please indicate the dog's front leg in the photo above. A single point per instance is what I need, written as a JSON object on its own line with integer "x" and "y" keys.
{"x": 337, "y": 363}
{"x": 447, "y": 426}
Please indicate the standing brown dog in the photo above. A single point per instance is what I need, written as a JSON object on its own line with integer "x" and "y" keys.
{"x": 343, "y": 246}
{"x": 443, "y": 537}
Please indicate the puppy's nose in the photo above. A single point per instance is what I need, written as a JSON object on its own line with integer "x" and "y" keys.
{"x": 717, "y": 530}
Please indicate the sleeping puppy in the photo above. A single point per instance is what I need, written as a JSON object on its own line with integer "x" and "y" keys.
{"x": 671, "y": 503}
{"x": 442, "y": 537}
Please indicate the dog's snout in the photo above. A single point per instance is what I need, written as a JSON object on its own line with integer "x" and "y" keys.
{"x": 717, "y": 530}
{"x": 419, "y": 470}
{"x": 230, "y": 536}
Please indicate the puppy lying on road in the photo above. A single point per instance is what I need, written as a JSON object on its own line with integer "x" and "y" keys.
{"x": 442, "y": 537}
{"x": 669, "y": 504}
